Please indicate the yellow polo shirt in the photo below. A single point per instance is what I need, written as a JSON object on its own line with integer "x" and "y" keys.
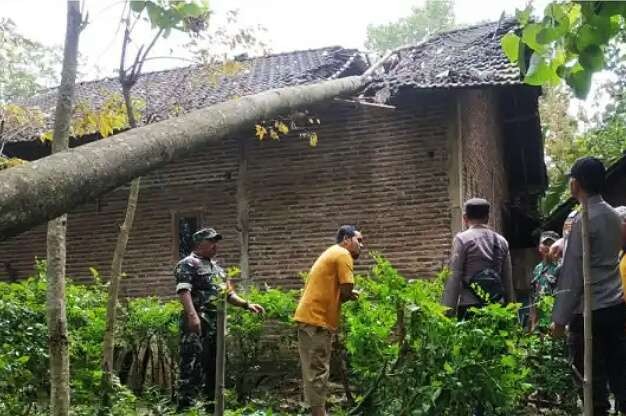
{"x": 320, "y": 304}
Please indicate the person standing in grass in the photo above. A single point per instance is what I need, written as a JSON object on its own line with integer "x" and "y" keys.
{"x": 329, "y": 284}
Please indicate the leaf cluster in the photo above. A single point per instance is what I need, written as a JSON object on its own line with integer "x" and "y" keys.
{"x": 408, "y": 357}
{"x": 569, "y": 43}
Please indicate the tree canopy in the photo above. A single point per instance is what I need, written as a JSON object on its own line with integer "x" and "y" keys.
{"x": 434, "y": 16}
{"x": 26, "y": 66}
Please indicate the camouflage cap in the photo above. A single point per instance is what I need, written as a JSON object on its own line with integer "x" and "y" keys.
{"x": 206, "y": 234}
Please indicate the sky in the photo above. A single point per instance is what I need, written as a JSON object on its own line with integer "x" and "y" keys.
{"x": 290, "y": 24}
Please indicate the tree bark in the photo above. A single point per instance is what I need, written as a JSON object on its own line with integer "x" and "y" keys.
{"x": 587, "y": 313}
{"x": 243, "y": 213}
{"x": 116, "y": 264}
{"x": 56, "y": 247}
{"x": 38, "y": 191}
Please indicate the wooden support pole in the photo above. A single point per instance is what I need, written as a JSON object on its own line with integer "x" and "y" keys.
{"x": 587, "y": 311}
{"x": 243, "y": 211}
{"x": 220, "y": 361}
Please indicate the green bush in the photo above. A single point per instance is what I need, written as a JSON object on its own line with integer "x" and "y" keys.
{"x": 408, "y": 358}
{"x": 405, "y": 356}
{"x": 245, "y": 335}
{"x": 146, "y": 357}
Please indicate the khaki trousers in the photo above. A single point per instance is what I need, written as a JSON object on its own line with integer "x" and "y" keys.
{"x": 315, "y": 346}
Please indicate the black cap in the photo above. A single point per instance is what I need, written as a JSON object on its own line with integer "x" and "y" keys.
{"x": 206, "y": 234}
{"x": 585, "y": 167}
{"x": 476, "y": 208}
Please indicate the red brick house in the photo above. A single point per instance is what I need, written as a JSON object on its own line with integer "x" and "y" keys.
{"x": 456, "y": 123}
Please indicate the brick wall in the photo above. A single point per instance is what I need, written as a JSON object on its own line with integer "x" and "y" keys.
{"x": 484, "y": 174}
{"x": 383, "y": 169}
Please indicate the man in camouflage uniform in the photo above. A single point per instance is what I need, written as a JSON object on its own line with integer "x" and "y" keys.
{"x": 199, "y": 281}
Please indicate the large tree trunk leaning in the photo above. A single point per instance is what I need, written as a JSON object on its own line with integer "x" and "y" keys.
{"x": 116, "y": 264}
{"x": 38, "y": 191}
{"x": 56, "y": 248}
{"x": 220, "y": 357}
{"x": 587, "y": 313}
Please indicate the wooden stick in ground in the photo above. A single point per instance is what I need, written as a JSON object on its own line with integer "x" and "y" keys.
{"x": 220, "y": 360}
{"x": 587, "y": 310}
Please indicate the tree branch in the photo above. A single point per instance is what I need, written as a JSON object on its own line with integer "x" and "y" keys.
{"x": 122, "y": 74}
{"x": 147, "y": 51}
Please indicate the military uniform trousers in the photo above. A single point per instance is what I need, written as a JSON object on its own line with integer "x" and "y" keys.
{"x": 197, "y": 362}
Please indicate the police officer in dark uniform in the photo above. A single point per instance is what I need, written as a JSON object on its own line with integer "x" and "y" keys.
{"x": 199, "y": 281}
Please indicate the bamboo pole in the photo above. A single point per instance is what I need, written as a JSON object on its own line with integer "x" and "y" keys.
{"x": 587, "y": 311}
{"x": 220, "y": 359}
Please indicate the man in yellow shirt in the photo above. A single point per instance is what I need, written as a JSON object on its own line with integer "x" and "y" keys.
{"x": 621, "y": 211}
{"x": 329, "y": 284}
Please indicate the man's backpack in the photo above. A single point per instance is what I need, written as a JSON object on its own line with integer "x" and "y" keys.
{"x": 486, "y": 285}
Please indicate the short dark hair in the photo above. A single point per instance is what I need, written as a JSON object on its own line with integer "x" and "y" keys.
{"x": 477, "y": 209}
{"x": 346, "y": 231}
{"x": 590, "y": 174}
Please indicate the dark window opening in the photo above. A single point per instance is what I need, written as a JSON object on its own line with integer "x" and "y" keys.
{"x": 184, "y": 225}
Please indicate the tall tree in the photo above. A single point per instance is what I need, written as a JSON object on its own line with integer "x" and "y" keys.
{"x": 164, "y": 17}
{"x": 26, "y": 66}
{"x": 433, "y": 16}
{"x": 56, "y": 248}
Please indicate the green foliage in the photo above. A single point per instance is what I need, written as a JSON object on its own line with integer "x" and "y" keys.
{"x": 547, "y": 360}
{"x": 406, "y": 356}
{"x": 246, "y": 331}
{"x": 24, "y": 349}
{"x": 409, "y": 358}
{"x": 434, "y": 16}
{"x": 147, "y": 341}
{"x": 178, "y": 14}
{"x": 569, "y": 43}
{"x": 606, "y": 139}
{"x": 26, "y": 66}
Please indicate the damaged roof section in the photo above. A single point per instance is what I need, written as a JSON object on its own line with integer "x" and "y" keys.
{"x": 172, "y": 92}
{"x": 467, "y": 57}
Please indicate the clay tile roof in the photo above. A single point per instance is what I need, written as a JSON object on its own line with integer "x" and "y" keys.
{"x": 173, "y": 91}
{"x": 467, "y": 57}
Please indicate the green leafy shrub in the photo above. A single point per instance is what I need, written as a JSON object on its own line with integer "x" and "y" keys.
{"x": 405, "y": 356}
{"x": 408, "y": 358}
{"x": 549, "y": 369}
{"x": 147, "y": 343}
{"x": 246, "y": 336}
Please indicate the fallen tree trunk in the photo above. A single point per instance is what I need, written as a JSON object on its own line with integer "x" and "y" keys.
{"x": 44, "y": 189}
